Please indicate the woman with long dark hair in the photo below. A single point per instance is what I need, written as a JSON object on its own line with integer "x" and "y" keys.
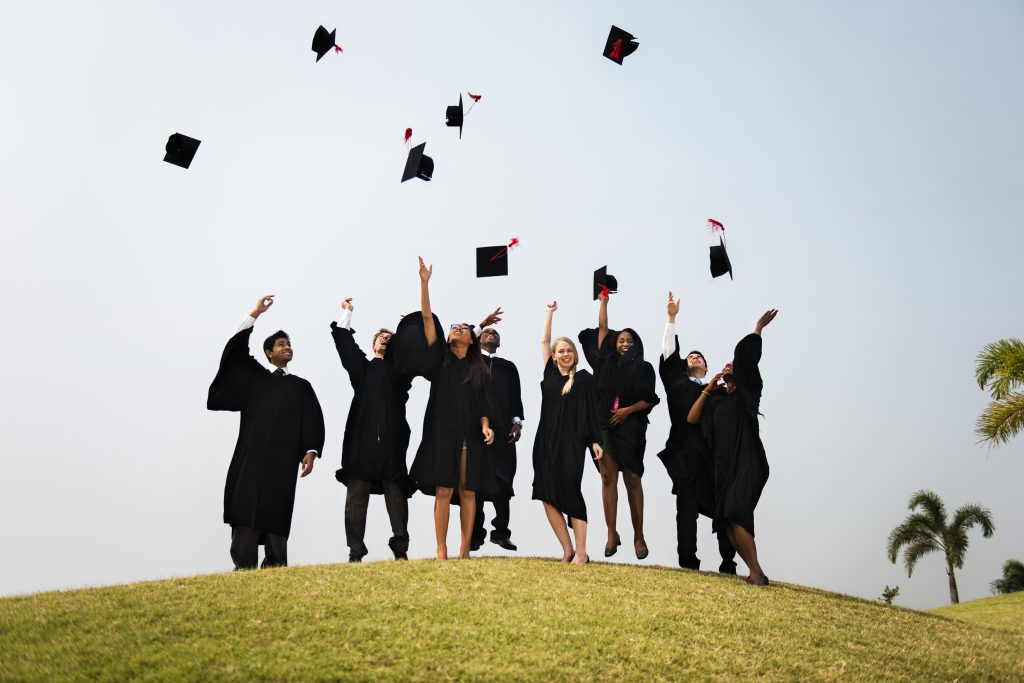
{"x": 729, "y": 420}
{"x": 570, "y": 421}
{"x": 456, "y": 425}
{"x": 626, "y": 394}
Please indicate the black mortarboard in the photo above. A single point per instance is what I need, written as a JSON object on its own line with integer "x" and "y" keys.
{"x": 323, "y": 41}
{"x": 620, "y": 45}
{"x": 720, "y": 264}
{"x": 180, "y": 150}
{"x": 418, "y": 165}
{"x": 603, "y": 279}
{"x": 492, "y": 261}
{"x": 454, "y": 115}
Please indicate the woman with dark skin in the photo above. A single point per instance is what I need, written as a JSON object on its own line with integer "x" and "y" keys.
{"x": 626, "y": 392}
{"x": 729, "y": 419}
{"x": 456, "y": 425}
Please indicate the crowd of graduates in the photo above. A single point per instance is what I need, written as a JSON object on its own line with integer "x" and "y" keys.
{"x": 473, "y": 422}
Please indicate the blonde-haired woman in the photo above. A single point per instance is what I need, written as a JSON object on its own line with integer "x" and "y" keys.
{"x": 570, "y": 421}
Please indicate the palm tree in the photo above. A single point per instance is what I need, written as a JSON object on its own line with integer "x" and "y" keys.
{"x": 1013, "y": 578}
{"x": 1001, "y": 370}
{"x": 926, "y": 531}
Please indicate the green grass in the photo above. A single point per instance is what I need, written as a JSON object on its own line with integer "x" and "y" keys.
{"x": 485, "y": 619}
{"x": 1001, "y": 611}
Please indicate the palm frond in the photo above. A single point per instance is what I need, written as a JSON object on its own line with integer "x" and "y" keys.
{"x": 966, "y": 517}
{"x": 1001, "y": 420}
{"x": 933, "y": 507}
{"x": 1012, "y": 579}
{"x": 1000, "y": 366}
{"x": 915, "y": 528}
{"x": 916, "y": 550}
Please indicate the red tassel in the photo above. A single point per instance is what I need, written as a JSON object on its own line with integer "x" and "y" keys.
{"x": 604, "y": 291}
{"x": 408, "y": 134}
{"x": 617, "y": 49}
{"x": 337, "y": 48}
{"x": 514, "y": 242}
{"x": 715, "y": 226}
{"x": 476, "y": 98}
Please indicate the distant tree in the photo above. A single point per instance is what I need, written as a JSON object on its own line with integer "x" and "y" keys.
{"x": 1013, "y": 578}
{"x": 889, "y": 594}
{"x": 1000, "y": 370}
{"x": 927, "y": 531}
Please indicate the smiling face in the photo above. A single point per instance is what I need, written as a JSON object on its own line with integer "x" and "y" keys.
{"x": 695, "y": 365}
{"x": 460, "y": 333}
{"x": 280, "y": 354}
{"x": 624, "y": 342}
{"x": 564, "y": 355}
{"x": 380, "y": 343}
{"x": 490, "y": 339}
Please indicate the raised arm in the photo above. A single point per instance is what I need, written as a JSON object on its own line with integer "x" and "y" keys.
{"x": 765, "y": 318}
{"x": 428, "y": 318}
{"x": 491, "y": 319}
{"x": 545, "y": 333}
{"x": 602, "y": 319}
{"x": 668, "y": 341}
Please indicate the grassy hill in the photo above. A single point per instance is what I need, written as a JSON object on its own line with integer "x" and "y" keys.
{"x": 1001, "y": 611}
{"x": 499, "y": 619}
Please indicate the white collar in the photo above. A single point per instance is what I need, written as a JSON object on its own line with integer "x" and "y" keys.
{"x": 484, "y": 352}
{"x": 275, "y": 369}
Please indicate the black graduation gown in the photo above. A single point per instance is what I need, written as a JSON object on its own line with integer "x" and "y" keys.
{"x": 500, "y": 463}
{"x": 631, "y": 379}
{"x": 453, "y": 413}
{"x": 568, "y": 425}
{"x": 376, "y": 431}
{"x": 730, "y": 424}
{"x": 686, "y": 455}
{"x": 281, "y": 421}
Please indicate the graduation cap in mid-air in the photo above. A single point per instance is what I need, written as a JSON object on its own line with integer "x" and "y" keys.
{"x": 493, "y": 261}
{"x": 603, "y": 282}
{"x": 418, "y": 164}
{"x": 454, "y": 114}
{"x": 323, "y": 41}
{"x": 720, "y": 264}
{"x": 620, "y": 45}
{"x": 180, "y": 150}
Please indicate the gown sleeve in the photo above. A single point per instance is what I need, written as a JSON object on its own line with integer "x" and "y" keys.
{"x": 230, "y": 388}
{"x": 671, "y": 370}
{"x": 588, "y": 344}
{"x": 408, "y": 349}
{"x": 312, "y": 424}
{"x": 646, "y": 386}
{"x": 588, "y": 414}
{"x": 352, "y": 357}
{"x": 746, "y": 373}
{"x": 516, "y": 393}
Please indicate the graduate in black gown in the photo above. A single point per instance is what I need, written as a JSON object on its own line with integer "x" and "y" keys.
{"x": 376, "y": 438}
{"x": 457, "y": 422}
{"x": 282, "y": 427}
{"x": 626, "y": 393}
{"x": 729, "y": 419}
{"x": 686, "y": 455}
{"x": 570, "y": 422}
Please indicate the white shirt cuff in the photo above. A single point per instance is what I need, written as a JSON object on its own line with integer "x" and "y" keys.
{"x": 246, "y": 324}
{"x": 345, "y": 321}
{"x": 668, "y": 342}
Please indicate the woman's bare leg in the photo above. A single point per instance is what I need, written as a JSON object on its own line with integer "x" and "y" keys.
{"x": 610, "y": 497}
{"x": 557, "y": 522}
{"x": 747, "y": 548}
{"x": 635, "y": 496}
{"x": 467, "y": 509}
{"x": 579, "y": 530}
{"x": 442, "y": 507}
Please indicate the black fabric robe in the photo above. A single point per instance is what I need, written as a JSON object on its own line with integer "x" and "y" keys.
{"x": 453, "y": 413}
{"x": 376, "y": 431}
{"x": 281, "y": 421}
{"x": 500, "y": 463}
{"x": 630, "y": 379}
{"x": 730, "y": 424}
{"x": 686, "y": 455}
{"x": 568, "y": 426}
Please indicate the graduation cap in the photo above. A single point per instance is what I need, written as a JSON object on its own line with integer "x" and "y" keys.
{"x": 602, "y": 280}
{"x": 454, "y": 114}
{"x": 323, "y": 41}
{"x": 180, "y": 150}
{"x": 493, "y": 261}
{"x": 418, "y": 165}
{"x": 720, "y": 264}
{"x": 620, "y": 45}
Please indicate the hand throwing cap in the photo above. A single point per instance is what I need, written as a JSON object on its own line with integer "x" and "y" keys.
{"x": 492, "y": 261}
{"x": 180, "y": 150}
{"x": 602, "y": 279}
{"x": 620, "y": 45}
{"x": 323, "y": 41}
{"x": 720, "y": 264}
{"x": 418, "y": 165}
{"x": 454, "y": 114}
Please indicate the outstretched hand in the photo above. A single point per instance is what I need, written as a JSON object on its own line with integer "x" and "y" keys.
{"x": 672, "y": 308}
{"x": 346, "y": 305}
{"x": 552, "y": 307}
{"x": 492, "y": 318}
{"x": 765, "y": 318}
{"x": 265, "y": 302}
{"x": 425, "y": 272}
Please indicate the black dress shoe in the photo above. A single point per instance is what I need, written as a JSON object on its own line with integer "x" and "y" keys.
{"x": 401, "y": 556}
{"x": 474, "y": 546}
{"x": 355, "y": 558}
{"x": 505, "y": 543}
{"x": 642, "y": 553}
{"x": 608, "y": 552}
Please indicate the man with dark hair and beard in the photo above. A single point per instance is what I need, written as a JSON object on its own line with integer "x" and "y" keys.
{"x": 686, "y": 455}
{"x": 376, "y": 438}
{"x": 282, "y": 427}
{"x": 508, "y": 427}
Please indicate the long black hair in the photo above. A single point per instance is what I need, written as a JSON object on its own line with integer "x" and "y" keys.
{"x": 478, "y": 370}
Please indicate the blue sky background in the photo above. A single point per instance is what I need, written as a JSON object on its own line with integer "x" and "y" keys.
{"x": 865, "y": 159}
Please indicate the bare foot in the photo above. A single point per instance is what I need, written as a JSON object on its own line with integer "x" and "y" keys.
{"x": 442, "y": 553}
{"x": 464, "y": 556}
{"x": 757, "y": 579}
{"x": 567, "y": 555}
{"x": 584, "y": 559}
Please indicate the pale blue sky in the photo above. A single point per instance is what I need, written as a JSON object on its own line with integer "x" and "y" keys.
{"x": 864, "y": 157}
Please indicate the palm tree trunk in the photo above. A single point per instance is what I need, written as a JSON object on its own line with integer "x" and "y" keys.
{"x": 954, "y": 595}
